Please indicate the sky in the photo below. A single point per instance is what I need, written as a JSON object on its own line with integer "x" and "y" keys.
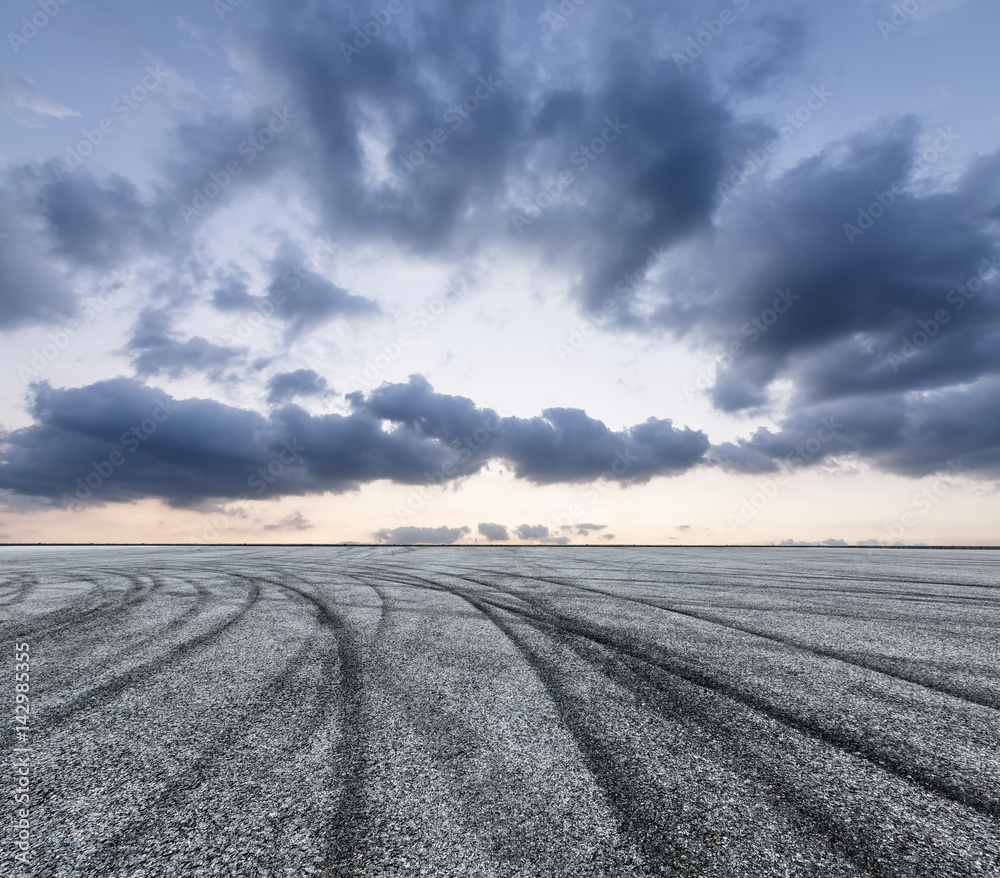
{"x": 647, "y": 272}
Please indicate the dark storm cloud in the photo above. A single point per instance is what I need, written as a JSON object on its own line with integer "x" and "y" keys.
{"x": 803, "y": 440}
{"x": 32, "y": 290}
{"x": 233, "y": 291}
{"x": 296, "y": 293}
{"x": 404, "y": 81}
{"x": 120, "y": 440}
{"x": 157, "y": 350}
{"x": 472, "y": 136}
{"x": 884, "y": 283}
{"x": 86, "y": 222}
{"x": 566, "y": 445}
{"x": 633, "y": 151}
{"x": 650, "y": 187}
{"x": 189, "y": 451}
{"x": 563, "y": 445}
{"x": 96, "y": 224}
{"x": 177, "y": 358}
{"x": 954, "y": 430}
{"x": 285, "y": 386}
{"x": 305, "y": 300}
{"x": 56, "y": 224}
{"x": 494, "y": 532}
{"x": 440, "y": 536}
{"x": 217, "y": 158}
{"x": 101, "y": 222}
{"x": 438, "y": 415}
{"x": 881, "y": 329}
{"x": 185, "y": 451}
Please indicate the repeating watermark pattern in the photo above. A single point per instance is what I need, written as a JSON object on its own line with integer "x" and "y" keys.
{"x": 769, "y": 488}
{"x": 553, "y": 188}
{"x": 260, "y": 480}
{"x": 752, "y": 331}
{"x": 923, "y": 501}
{"x": 463, "y": 450}
{"x": 102, "y": 471}
{"x": 902, "y": 13}
{"x": 958, "y": 297}
{"x": 757, "y": 159}
{"x": 122, "y": 107}
{"x": 421, "y": 321}
{"x": 885, "y": 199}
{"x": 370, "y": 30}
{"x": 248, "y": 150}
{"x": 32, "y": 27}
{"x": 455, "y": 116}
{"x": 712, "y": 29}
{"x": 556, "y": 18}
{"x": 624, "y": 289}
{"x": 21, "y": 754}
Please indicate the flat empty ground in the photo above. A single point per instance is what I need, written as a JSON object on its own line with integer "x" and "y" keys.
{"x": 508, "y": 711}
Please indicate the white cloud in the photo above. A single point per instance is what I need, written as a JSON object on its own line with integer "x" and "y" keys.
{"x": 20, "y": 93}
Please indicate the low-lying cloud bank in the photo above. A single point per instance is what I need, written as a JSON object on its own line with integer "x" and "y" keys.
{"x": 121, "y": 440}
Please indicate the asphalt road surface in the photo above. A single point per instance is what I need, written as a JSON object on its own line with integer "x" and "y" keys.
{"x": 363, "y": 711}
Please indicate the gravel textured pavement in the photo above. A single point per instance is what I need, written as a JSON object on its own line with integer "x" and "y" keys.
{"x": 500, "y": 711}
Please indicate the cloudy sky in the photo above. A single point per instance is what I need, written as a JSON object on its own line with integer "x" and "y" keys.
{"x": 589, "y": 272}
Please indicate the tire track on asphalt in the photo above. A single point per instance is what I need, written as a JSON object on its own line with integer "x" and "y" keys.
{"x": 406, "y": 577}
{"x": 276, "y": 696}
{"x": 732, "y": 576}
{"x": 332, "y": 658}
{"x": 865, "y": 852}
{"x": 765, "y": 760}
{"x": 785, "y": 797}
{"x": 184, "y": 786}
{"x": 665, "y": 698}
{"x": 594, "y": 753}
{"x": 608, "y": 772}
{"x": 627, "y": 793}
{"x": 41, "y": 622}
{"x": 545, "y": 627}
{"x": 447, "y": 742}
{"x": 971, "y": 697}
{"x": 345, "y": 829}
{"x": 22, "y": 589}
{"x": 47, "y": 625}
{"x": 105, "y": 692}
{"x": 200, "y": 596}
{"x": 859, "y": 592}
{"x": 887, "y": 760}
